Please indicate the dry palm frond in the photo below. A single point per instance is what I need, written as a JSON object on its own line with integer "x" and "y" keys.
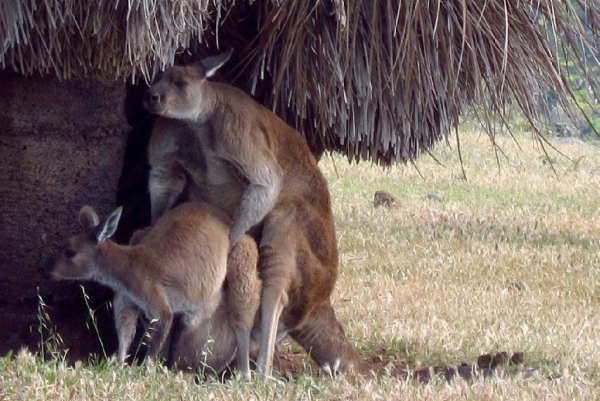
{"x": 106, "y": 39}
{"x": 385, "y": 80}
{"x": 382, "y": 79}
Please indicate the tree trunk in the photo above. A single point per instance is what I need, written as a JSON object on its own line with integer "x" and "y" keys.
{"x": 61, "y": 146}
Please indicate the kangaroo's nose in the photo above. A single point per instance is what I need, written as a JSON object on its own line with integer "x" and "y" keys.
{"x": 153, "y": 97}
{"x": 152, "y": 101}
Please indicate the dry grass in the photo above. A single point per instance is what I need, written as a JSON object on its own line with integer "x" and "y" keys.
{"x": 507, "y": 260}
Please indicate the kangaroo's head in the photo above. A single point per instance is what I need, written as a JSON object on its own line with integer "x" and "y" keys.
{"x": 180, "y": 92}
{"x": 77, "y": 258}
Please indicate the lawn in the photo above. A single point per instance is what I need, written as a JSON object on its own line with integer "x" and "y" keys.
{"x": 504, "y": 260}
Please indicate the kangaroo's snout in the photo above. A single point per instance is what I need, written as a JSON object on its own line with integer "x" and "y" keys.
{"x": 151, "y": 99}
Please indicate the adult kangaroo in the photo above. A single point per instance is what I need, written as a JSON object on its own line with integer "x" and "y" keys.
{"x": 216, "y": 143}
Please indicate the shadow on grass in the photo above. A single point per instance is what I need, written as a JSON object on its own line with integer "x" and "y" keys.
{"x": 292, "y": 366}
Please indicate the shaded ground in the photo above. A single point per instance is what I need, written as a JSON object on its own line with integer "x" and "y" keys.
{"x": 292, "y": 365}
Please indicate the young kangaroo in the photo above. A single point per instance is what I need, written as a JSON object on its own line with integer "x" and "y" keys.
{"x": 219, "y": 143}
{"x": 177, "y": 266}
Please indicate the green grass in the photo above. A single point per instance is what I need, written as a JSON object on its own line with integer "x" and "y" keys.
{"x": 508, "y": 260}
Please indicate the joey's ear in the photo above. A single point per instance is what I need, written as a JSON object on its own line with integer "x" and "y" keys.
{"x": 109, "y": 227}
{"x": 88, "y": 217}
{"x": 210, "y": 65}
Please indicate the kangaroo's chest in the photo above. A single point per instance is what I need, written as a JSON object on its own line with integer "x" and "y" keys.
{"x": 225, "y": 182}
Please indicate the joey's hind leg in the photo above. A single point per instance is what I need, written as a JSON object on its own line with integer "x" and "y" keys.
{"x": 323, "y": 337}
{"x": 243, "y": 297}
{"x": 161, "y": 317}
{"x": 166, "y": 183}
{"x": 126, "y": 315}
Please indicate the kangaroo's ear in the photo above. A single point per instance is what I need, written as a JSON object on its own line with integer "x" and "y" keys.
{"x": 109, "y": 227}
{"x": 88, "y": 218}
{"x": 210, "y": 65}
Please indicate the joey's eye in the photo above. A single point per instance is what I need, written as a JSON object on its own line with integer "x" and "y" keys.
{"x": 69, "y": 253}
{"x": 180, "y": 84}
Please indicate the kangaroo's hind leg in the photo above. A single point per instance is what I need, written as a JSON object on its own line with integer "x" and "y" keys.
{"x": 278, "y": 269}
{"x": 323, "y": 337}
{"x": 126, "y": 315}
{"x": 243, "y": 297}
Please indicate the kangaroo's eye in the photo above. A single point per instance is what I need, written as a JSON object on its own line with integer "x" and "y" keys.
{"x": 180, "y": 84}
{"x": 69, "y": 253}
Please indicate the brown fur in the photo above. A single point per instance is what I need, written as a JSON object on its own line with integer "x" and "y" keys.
{"x": 239, "y": 156}
{"x": 178, "y": 265}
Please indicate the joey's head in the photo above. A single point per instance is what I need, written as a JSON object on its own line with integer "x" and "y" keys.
{"x": 181, "y": 91}
{"x": 77, "y": 257}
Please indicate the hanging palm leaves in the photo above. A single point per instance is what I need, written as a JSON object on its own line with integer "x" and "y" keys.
{"x": 382, "y": 80}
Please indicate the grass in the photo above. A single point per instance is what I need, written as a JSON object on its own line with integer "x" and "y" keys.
{"x": 507, "y": 260}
